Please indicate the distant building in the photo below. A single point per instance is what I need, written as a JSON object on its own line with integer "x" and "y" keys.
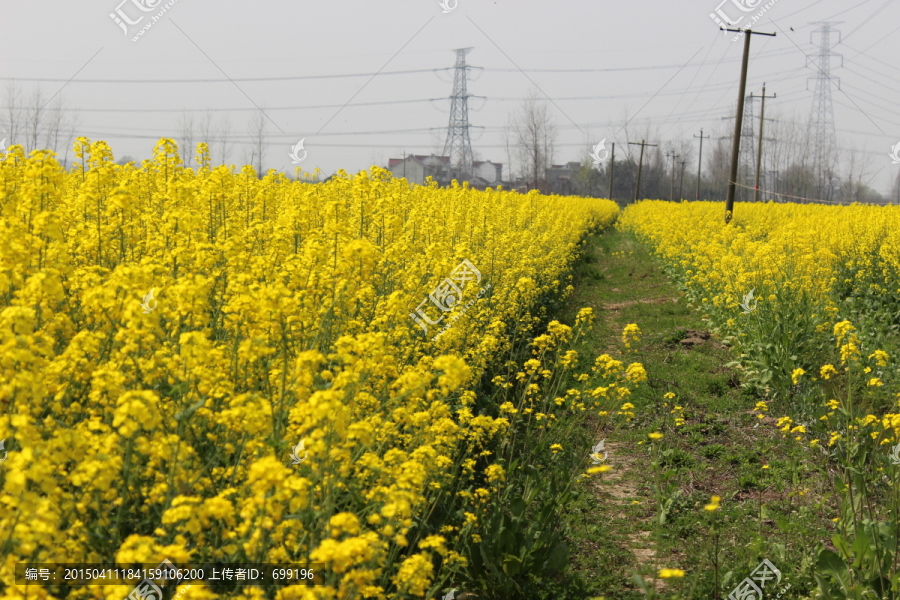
{"x": 489, "y": 171}
{"x": 415, "y": 168}
{"x": 561, "y": 178}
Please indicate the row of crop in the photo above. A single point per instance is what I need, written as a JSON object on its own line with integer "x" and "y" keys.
{"x": 204, "y": 365}
{"x": 807, "y": 295}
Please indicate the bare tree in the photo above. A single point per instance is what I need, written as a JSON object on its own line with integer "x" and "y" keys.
{"x": 853, "y": 187}
{"x": 188, "y": 134}
{"x": 895, "y": 193}
{"x": 507, "y": 142}
{"x": 258, "y": 140}
{"x": 718, "y": 164}
{"x": 533, "y": 137}
{"x": 69, "y": 135}
{"x": 13, "y": 120}
{"x": 438, "y": 138}
{"x": 222, "y": 138}
{"x": 55, "y": 122}
{"x": 206, "y": 132}
{"x": 34, "y": 123}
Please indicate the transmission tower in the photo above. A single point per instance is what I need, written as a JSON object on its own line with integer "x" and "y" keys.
{"x": 821, "y": 119}
{"x": 458, "y": 145}
{"x": 748, "y": 144}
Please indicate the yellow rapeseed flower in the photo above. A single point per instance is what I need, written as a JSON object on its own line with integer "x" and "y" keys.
{"x": 600, "y": 469}
{"x": 667, "y": 573}
{"x": 714, "y": 504}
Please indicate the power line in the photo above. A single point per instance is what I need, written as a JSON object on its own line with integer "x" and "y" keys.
{"x": 718, "y": 64}
{"x": 872, "y": 16}
{"x": 244, "y": 79}
{"x": 691, "y": 84}
{"x": 676, "y": 92}
{"x": 350, "y": 75}
{"x": 826, "y": 18}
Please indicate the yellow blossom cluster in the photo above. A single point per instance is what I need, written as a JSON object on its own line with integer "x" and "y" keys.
{"x": 205, "y": 364}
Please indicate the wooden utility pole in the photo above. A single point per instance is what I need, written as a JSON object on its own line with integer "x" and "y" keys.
{"x": 762, "y": 119}
{"x": 672, "y": 187}
{"x": 738, "y": 122}
{"x": 700, "y": 160}
{"x": 681, "y": 183}
{"x": 612, "y": 165}
{"x": 637, "y": 188}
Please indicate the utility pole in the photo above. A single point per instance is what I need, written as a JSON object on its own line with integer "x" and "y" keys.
{"x": 671, "y": 193}
{"x": 672, "y": 187}
{"x": 762, "y": 119}
{"x": 700, "y": 160}
{"x": 612, "y": 165}
{"x": 637, "y": 188}
{"x": 681, "y": 183}
{"x": 739, "y": 117}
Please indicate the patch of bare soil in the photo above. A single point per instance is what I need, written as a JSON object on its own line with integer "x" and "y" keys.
{"x": 618, "y": 488}
{"x": 627, "y": 303}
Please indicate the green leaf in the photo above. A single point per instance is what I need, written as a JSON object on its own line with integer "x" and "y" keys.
{"x": 835, "y": 566}
{"x": 782, "y": 522}
{"x": 187, "y": 413}
{"x": 841, "y": 544}
{"x": 861, "y": 546}
{"x": 641, "y": 583}
{"x": 559, "y": 558}
{"x": 512, "y": 565}
{"x": 517, "y": 506}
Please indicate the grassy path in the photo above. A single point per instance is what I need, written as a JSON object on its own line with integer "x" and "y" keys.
{"x": 648, "y": 513}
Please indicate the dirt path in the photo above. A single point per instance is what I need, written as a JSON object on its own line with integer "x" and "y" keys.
{"x": 626, "y": 286}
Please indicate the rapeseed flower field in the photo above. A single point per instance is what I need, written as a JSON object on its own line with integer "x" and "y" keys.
{"x": 808, "y": 298}
{"x": 204, "y": 365}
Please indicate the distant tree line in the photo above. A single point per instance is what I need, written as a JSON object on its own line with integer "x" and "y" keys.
{"x": 788, "y": 170}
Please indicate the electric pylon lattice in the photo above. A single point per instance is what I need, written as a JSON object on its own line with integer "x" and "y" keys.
{"x": 821, "y": 118}
{"x": 458, "y": 145}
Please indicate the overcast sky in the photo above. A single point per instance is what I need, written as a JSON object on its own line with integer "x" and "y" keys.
{"x": 661, "y": 63}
